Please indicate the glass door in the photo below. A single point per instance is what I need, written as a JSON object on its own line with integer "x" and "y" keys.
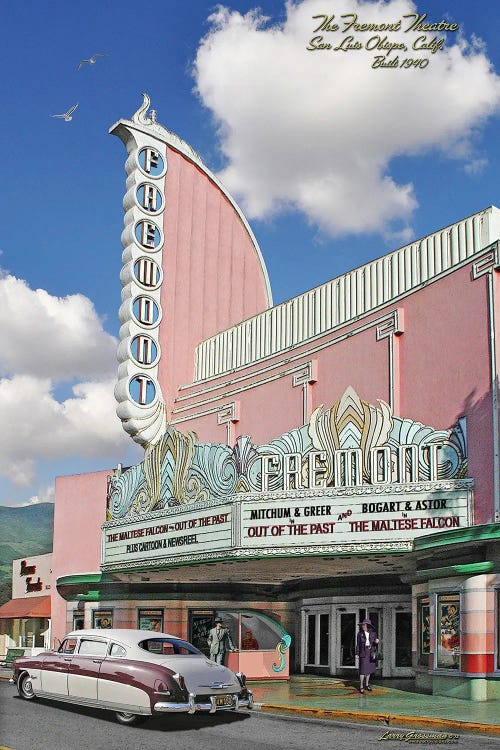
{"x": 401, "y": 661}
{"x": 402, "y": 639}
{"x": 347, "y": 629}
{"x": 348, "y": 621}
{"x": 317, "y": 640}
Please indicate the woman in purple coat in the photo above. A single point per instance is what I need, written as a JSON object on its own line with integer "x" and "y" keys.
{"x": 366, "y": 643}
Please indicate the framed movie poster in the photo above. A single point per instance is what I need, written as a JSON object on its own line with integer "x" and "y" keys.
{"x": 78, "y": 621}
{"x": 424, "y": 631}
{"x": 448, "y": 631}
{"x": 150, "y": 619}
{"x": 200, "y": 623}
{"x": 102, "y": 618}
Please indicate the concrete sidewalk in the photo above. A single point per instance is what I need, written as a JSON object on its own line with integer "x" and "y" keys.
{"x": 337, "y": 699}
{"x": 390, "y": 707}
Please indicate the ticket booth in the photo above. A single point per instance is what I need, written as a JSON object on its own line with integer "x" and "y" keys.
{"x": 262, "y": 645}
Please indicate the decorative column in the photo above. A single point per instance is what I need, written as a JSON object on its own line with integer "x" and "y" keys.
{"x": 391, "y": 329}
{"x": 305, "y": 377}
{"x": 487, "y": 266}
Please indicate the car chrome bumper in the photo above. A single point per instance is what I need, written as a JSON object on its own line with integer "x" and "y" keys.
{"x": 193, "y": 705}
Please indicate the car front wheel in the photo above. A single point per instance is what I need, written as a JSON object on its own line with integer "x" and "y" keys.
{"x": 123, "y": 717}
{"x": 25, "y": 687}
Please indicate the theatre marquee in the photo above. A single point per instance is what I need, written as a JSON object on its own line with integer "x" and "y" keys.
{"x": 356, "y": 478}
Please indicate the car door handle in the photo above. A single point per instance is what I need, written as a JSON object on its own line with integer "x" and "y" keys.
{"x": 97, "y": 661}
{"x": 67, "y": 658}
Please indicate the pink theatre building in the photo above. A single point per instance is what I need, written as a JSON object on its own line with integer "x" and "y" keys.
{"x": 306, "y": 465}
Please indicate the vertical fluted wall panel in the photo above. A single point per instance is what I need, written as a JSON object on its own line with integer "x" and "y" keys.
{"x": 346, "y": 297}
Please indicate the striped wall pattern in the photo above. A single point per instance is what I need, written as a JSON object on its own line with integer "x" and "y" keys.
{"x": 347, "y": 297}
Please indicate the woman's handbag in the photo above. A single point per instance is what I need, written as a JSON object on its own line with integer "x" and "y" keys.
{"x": 375, "y": 654}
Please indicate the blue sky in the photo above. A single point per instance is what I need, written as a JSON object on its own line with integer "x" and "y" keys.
{"x": 398, "y": 158}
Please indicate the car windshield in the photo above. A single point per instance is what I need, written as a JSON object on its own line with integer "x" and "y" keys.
{"x": 168, "y": 646}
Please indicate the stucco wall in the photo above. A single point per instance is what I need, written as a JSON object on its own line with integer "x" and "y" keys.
{"x": 80, "y": 509}
{"x": 213, "y": 276}
{"x": 441, "y": 372}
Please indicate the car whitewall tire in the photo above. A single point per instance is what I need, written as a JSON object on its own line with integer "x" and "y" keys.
{"x": 124, "y": 717}
{"x": 25, "y": 687}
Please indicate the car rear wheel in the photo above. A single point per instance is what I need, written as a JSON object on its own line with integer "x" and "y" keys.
{"x": 25, "y": 687}
{"x": 123, "y": 717}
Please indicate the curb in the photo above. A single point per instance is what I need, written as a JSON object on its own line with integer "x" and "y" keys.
{"x": 369, "y": 717}
{"x": 386, "y": 720}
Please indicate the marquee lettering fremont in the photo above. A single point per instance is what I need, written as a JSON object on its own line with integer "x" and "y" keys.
{"x": 354, "y": 477}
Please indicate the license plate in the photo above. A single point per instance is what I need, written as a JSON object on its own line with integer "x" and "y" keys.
{"x": 223, "y": 700}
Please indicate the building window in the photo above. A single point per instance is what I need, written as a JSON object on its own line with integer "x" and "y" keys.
{"x": 257, "y": 632}
{"x": 150, "y": 619}
{"x": 424, "y": 631}
{"x": 448, "y": 631}
{"x": 102, "y": 618}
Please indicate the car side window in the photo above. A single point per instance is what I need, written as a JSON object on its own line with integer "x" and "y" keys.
{"x": 168, "y": 646}
{"x": 182, "y": 650}
{"x": 117, "y": 650}
{"x": 89, "y": 647}
{"x": 68, "y": 646}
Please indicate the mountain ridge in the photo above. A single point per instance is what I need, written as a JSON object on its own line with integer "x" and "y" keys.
{"x": 24, "y": 532}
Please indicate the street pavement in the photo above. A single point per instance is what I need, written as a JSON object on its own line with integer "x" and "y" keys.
{"x": 52, "y": 725}
{"x": 328, "y": 698}
{"x": 338, "y": 699}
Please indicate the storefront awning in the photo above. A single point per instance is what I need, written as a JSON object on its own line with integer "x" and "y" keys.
{"x": 36, "y": 606}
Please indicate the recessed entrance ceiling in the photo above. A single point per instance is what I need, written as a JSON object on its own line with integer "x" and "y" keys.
{"x": 273, "y": 571}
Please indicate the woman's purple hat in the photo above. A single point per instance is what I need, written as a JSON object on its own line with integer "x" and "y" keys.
{"x": 366, "y": 622}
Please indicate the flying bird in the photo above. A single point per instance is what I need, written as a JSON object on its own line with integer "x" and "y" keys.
{"x": 67, "y": 115}
{"x": 91, "y": 60}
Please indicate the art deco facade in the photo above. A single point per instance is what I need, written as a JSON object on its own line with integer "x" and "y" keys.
{"x": 306, "y": 464}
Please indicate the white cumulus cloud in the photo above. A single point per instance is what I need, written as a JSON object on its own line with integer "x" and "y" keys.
{"x": 315, "y": 131}
{"x": 43, "y": 495}
{"x": 35, "y": 426}
{"x": 47, "y": 336}
{"x": 48, "y": 341}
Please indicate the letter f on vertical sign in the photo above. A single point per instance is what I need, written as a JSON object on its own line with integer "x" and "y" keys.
{"x": 270, "y": 467}
{"x": 151, "y": 158}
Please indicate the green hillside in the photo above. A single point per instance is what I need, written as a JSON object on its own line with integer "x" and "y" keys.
{"x": 23, "y": 532}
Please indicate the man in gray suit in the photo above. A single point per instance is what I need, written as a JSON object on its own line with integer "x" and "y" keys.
{"x": 219, "y": 640}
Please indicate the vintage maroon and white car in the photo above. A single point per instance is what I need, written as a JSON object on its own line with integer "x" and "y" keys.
{"x": 135, "y": 673}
